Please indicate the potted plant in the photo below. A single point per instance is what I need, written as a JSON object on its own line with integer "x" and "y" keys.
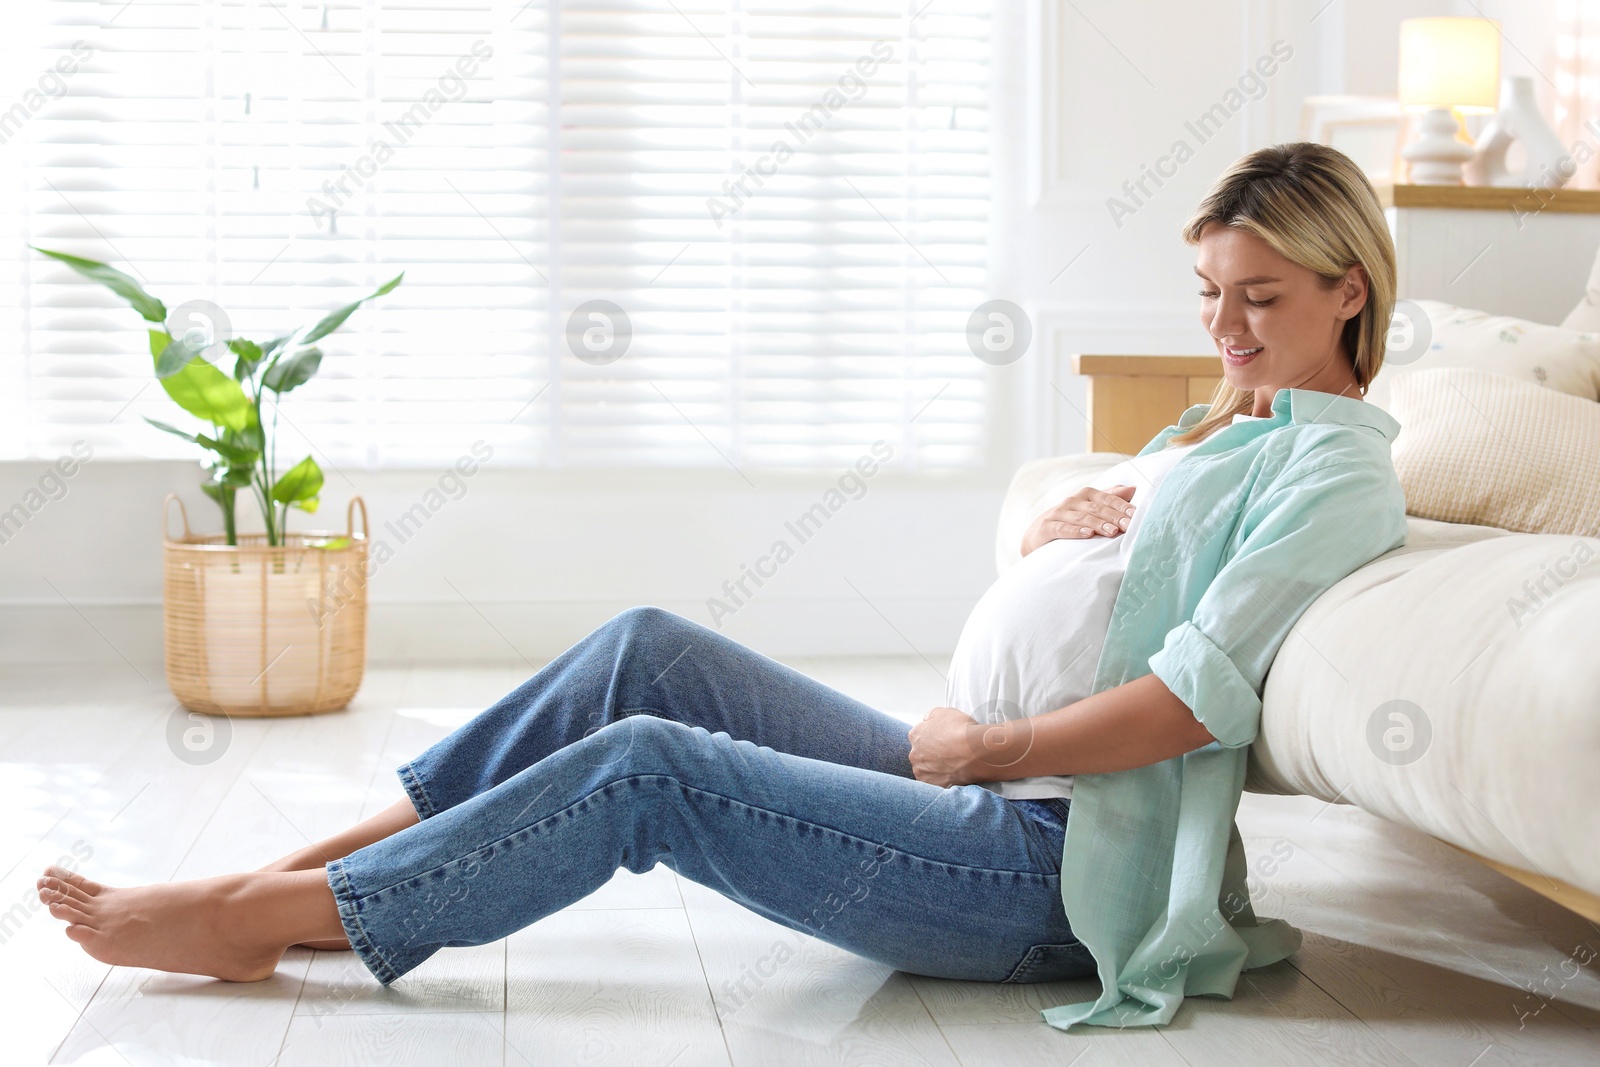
{"x": 270, "y": 623}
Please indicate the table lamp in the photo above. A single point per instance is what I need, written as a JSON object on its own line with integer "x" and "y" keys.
{"x": 1446, "y": 63}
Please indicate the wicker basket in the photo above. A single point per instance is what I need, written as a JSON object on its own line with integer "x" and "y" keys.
{"x": 256, "y": 629}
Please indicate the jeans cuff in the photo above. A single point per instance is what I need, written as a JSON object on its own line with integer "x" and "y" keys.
{"x": 344, "y": 897}
{"x": 411, "y": 782}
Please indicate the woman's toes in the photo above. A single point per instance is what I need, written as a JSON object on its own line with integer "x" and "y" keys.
{"x": 91, "y": 940}
{"x": 70, "y": 912}
{"x": 55, "y": 888}
{"x": 74, "y": 879}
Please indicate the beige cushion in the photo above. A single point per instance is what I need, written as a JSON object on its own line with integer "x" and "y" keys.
{"x": 1430, "y": 333}
{"x": 1482, "y": 448}
{"x": 1586, "y": 316}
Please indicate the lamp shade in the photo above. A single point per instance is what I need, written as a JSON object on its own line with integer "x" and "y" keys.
{"x": 1450, "y": 62}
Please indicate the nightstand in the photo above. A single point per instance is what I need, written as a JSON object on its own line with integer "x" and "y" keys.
{"x": 1508, "y": 251}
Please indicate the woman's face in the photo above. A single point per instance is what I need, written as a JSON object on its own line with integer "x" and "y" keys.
{"x": 1274, "y": 322}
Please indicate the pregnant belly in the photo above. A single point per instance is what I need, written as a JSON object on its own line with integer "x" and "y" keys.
{"x": 1033, "y": 641}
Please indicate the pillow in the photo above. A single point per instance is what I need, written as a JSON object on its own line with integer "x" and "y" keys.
{"x": 1484, "y": 448}
{"x": 1586, "y": 316}
{"x": 1430, "y": 333}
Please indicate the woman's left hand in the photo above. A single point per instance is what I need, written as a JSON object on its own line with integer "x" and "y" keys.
{"x": 943, "y": 745}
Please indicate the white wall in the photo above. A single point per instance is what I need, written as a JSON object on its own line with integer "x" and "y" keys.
{"x": 526, "y": 561}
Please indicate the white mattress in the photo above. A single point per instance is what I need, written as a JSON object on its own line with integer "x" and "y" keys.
{"x": 1502, "y": 757}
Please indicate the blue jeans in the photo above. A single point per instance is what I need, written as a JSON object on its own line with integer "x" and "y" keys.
{"x": 657, "y": 740}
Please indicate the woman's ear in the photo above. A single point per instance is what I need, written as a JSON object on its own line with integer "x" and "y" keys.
{"x": 1353, "y": 292}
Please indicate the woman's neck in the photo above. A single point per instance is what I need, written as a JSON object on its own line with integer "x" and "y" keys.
{"x": 1335, "y": 376}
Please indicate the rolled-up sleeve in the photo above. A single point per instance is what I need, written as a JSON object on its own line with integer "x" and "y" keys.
{"x": 1301, "y": 539}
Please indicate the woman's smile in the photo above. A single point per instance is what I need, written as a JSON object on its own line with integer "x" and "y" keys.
{"x": 1238, "y": 357}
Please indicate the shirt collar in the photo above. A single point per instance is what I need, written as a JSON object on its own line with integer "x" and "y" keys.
{"x": 1310, "y": 405}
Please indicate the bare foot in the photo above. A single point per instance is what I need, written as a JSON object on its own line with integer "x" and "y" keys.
{"x": 235, "y": 927}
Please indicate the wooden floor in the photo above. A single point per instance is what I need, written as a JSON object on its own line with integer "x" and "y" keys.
{"x": 1413, "y": 954}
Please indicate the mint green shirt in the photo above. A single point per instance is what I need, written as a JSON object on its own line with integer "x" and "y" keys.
{"x": 1243, "y": 535}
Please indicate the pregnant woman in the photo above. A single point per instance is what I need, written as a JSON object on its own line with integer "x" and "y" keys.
{"x": 1070, "y": 812}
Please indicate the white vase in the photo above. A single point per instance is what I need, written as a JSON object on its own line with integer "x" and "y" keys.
{"x": 1546, "y": 163}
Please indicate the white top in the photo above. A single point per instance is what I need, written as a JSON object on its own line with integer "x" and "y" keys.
{"x": 1032, "y": 643}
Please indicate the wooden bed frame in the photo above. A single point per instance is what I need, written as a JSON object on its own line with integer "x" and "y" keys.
{"x": 1132, "y": 398}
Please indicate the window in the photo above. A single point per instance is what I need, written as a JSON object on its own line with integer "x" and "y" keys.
{"x": 788, "y": 208}
{"x": 1577, "y": 84}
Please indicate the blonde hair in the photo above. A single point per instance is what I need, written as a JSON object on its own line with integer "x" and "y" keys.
{"x": 1316, "y": 208}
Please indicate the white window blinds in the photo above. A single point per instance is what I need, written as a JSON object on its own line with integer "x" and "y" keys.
{"x": 786, "y": 202}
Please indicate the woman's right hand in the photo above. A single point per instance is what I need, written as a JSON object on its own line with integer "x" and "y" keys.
{"x": 1086, "y": 513}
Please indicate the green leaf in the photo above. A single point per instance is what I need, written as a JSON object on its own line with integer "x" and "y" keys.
{"x": 204, "y": 391}
{"x": 235, "y": 456}
{"x": 245, "y": 349}
{"x": 234, "y": 477}
{"x": 335, "y": 319}
{"x": 250, "y": 437}
{"x": 249, "y": 354}
{"x": 230, "y": 478}
{"x": 175, "y": 357}
{"x": 286, "y": 373}
{"x": 146, "y": 305}
{"x": 299, "y": 483}
{"x": 307, "y": 506}
{"x": 333, "y": 543}
{"x": 170, "y": 429}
